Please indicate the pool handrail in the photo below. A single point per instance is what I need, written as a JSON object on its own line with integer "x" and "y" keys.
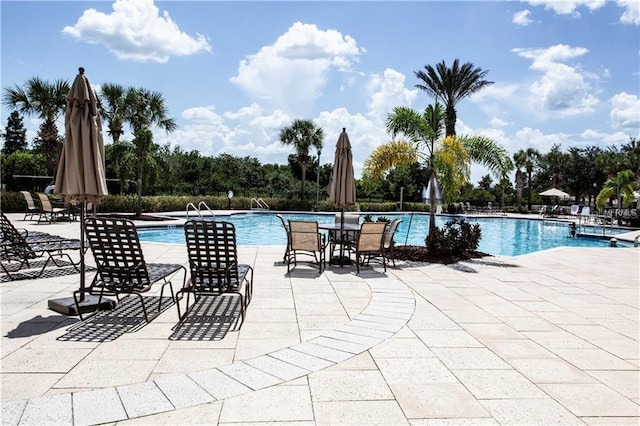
{"x": 199, "y": 209}
{"x": 260, "y": 203}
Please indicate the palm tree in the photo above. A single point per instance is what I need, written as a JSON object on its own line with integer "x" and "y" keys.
{"x": 532, "y": 156}
{"x": 45, "y": 100}
{"x": 448, "y": 158}
{"x": 451, "y": 85}
{"x": 112, "y": 104}
{"x": 621, "y": 187}
{"x": 145, "y": 108}
{"x": 302, "y": 135}
{"x": 519, "y": 160}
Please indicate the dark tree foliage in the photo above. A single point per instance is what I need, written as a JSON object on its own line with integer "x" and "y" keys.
{"x": 15, "y": 134}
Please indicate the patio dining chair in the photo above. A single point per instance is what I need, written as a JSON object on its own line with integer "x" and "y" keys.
{"x": 370, "y": 244}
{"x": 48, "y": 212}
{"x": 121, "y": 267}
{"x": 388, "y": 242}
{"x": 22, "y": 247}
{"x": 32, "y": 209}
{"x": 306, "y": 240}
{"x": 213, "y": 265}
{"x": 287, "y": 250}
{"x": 345, "y": 238}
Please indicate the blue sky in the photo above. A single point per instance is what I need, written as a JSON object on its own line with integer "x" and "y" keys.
{"x": 235, "y": 73}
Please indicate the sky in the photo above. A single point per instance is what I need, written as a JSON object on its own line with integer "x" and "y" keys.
{"x": 233, "y": 74}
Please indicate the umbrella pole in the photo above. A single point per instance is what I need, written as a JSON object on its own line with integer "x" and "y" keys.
{"x": 83, "y": 208}
{"x": 408, "y": 228}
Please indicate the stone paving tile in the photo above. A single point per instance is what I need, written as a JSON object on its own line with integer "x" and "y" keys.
{"x": 218, "y": 384}
{"x": 455, "y": 422}
{"x": 543, "y": 411}
{"x": 498, "y": 384}
{"x": 277, "y": 368}
{"x": 204, "y": 414}
{"x": 303, "y": 360}
{"x": 12, "y": 411}
{"x": 354, "y": 348}
{"x": 39, "y": 360}
{"x": 401, "y": 347}
{"x": 121, "y": 372}
{"x": 593, "y": 359}
{"x": 174, "y": 360}
{"x": 18, "y": 386}
{"x": 250, "y": 376}
{"x": 328, "y": 385}
{"x": 592, "y": 399}
{"x": 97, "y": 406}
{"x": 350, "y": 328}
{"x": 470, "y": 358}
{"x": 251, "y": 348}
{"x": 324, "y": 352}
{"x": 510, "y": 349}
{"x": 550, "y": 370}
{"x": 437, "y": 400}
{"x": 48, "y": 410}
{"x": 611, "y": 421}
{"x": 358, "y": 413}
{"x": 266, "y": 405}
{"x": 352, "y": 337}
{"x": 399, "y": 371}
{"x": 182, "y": 391}
{"x": 448, "y": 339}
{"x": 625, "y": 382}
{"x": 142, "y": 399}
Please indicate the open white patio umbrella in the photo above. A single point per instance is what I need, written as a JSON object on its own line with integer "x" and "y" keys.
{"x": 554, "y": 192}
{"x": 81, "y": 171}
{"x": 343, "y": 184}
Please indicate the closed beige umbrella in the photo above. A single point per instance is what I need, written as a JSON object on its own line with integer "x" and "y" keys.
{"x": 81, "y": 173}
{"x": 343, "y": 185}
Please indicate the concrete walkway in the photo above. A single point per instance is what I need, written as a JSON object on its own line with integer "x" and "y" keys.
{"x": 551, "y": 337}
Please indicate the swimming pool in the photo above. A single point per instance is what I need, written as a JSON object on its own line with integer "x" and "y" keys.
{"x": 500, "y": 236}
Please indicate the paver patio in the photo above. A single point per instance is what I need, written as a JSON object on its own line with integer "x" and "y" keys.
{"x": 550, "y": 337}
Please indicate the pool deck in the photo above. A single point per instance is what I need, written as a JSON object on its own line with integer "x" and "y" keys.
{"x": 549, "y": 337}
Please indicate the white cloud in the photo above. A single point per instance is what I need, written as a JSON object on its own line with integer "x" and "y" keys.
{"x": 522, "y": 18}
{"x": 592, "y": 137}
{"x": 568, "y": 7}
{"x": 498, "y": 122}
{"x": 386, "y": 92}
{"x": 135, "y": 31}
{"x": 625, "y": 112}
{"x": 563, "y": 89}
{"x": 291, "y": 73}
{"x": 631, "y": 14}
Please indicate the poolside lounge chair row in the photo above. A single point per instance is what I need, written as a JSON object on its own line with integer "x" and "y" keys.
{"x": 121, "y": 267}
{"x": 45, "y": 210}
{"x": 21, "y": 247}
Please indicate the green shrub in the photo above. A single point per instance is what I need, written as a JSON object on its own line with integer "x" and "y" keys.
{"x": 456, "y": 238}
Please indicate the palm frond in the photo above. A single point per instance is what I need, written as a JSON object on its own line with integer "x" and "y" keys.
{"x": 386, "y": 156}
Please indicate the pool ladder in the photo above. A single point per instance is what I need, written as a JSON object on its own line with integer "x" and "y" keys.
{"x": 198, "y": 209}
{"x": 259, "y": 204}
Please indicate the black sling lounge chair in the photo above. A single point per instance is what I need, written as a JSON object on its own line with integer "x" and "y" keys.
{"x": 21, "y": 247}
{"x": 122, "y": 270}
{"x": 214, "y": 266}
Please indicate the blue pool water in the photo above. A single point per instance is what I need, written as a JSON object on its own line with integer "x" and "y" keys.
{"x": 500, "y": 236}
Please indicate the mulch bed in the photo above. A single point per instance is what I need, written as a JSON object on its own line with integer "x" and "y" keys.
{"x": 420, "y": 254}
